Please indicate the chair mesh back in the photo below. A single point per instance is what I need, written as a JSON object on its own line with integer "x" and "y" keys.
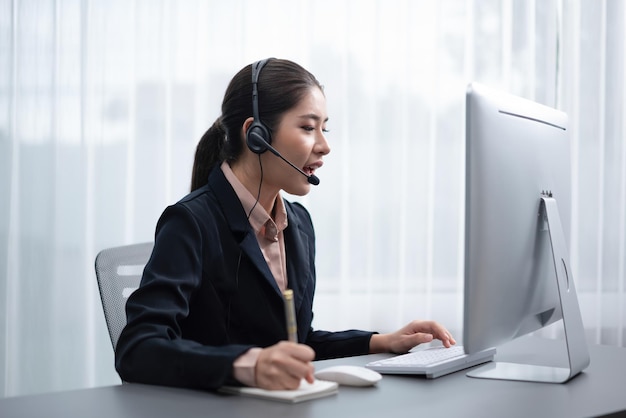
{"x": 119, "y": 271}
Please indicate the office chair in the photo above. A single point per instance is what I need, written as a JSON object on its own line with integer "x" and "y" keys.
{"x": 119, "y": 271}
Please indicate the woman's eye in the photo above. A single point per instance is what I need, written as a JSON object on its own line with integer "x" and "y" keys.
{"x": 312, "y": 128}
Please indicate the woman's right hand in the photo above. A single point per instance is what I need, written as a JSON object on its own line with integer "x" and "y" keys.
{"x": 284, "y": 365}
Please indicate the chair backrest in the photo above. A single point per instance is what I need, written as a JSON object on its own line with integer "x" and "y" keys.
{"x": 119, "y": 272}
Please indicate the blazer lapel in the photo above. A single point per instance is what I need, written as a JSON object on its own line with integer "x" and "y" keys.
{"x": 250, "y": 247}
{"x": 239, "y": 224}
{"x": 297, "y": 249}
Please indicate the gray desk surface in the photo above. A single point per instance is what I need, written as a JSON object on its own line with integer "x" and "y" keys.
{"x": 599, "y": 390}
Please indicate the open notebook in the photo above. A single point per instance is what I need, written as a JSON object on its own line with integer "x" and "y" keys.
{"x": 432, "y": 362}
{"x": 306, "y": 391}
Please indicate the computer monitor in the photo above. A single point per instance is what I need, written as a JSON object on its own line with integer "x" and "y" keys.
{"x": 518, "y": 278}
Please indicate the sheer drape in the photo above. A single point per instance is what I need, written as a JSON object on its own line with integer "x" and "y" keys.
{"x": 102, "y": 103}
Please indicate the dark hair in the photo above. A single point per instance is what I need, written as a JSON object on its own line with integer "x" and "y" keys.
{"x": 282, "y": 84}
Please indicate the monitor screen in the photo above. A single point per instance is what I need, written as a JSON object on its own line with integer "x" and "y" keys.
{"x": 517, "y": 154}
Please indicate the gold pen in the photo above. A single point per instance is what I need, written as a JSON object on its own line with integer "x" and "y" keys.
{"x": 290, "y": 315}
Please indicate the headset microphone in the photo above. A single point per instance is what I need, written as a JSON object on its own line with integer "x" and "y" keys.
{"x": 258, "y": 141}
{"x": 258, "y": 136}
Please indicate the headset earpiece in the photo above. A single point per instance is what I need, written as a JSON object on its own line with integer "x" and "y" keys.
{"x": 258, "y": 136}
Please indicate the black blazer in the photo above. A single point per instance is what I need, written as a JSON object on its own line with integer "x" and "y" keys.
{"x": 207, "y": 294}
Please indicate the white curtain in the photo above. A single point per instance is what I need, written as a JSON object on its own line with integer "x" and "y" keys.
{"x": 102, "y": 103}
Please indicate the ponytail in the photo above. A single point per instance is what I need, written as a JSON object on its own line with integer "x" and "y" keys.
{"x": 209, "y": 153}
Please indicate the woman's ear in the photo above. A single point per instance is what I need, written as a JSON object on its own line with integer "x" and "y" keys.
{"x": 246, "y": 125}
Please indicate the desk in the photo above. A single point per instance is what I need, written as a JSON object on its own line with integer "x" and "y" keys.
{"x": 599, "y": 390}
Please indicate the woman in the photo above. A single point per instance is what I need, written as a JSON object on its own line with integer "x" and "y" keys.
{"x": 209, "y": 310}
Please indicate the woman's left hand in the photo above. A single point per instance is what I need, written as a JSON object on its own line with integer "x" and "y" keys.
{"x": 414, "y": 333}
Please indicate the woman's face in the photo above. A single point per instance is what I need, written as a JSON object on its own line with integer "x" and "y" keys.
{"x": 300, "y": 138}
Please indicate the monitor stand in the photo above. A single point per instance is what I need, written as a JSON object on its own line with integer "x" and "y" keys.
{"x": 577, "y": 353}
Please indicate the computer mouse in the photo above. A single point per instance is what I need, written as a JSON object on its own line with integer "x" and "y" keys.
{"x": 349, "y": 375}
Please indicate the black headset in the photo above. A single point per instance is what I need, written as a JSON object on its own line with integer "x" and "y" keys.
{"x": 258, "y": 136}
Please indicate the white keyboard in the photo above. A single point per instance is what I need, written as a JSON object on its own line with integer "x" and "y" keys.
{"x": 432, "y": 362}
{"x": 425, "y": 357}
